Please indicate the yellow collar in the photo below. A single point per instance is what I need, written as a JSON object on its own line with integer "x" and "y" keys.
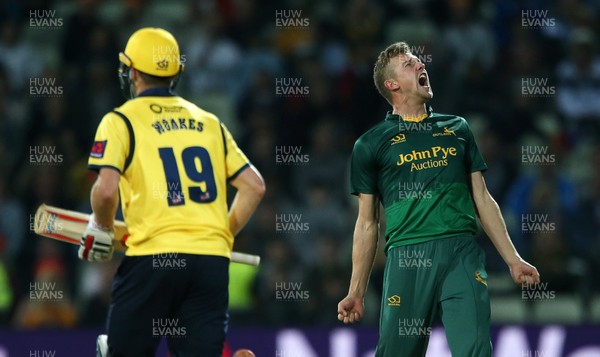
{"x": 416, "y": 119}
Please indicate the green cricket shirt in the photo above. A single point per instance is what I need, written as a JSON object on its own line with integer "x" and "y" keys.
{"x": 421, "y": 171}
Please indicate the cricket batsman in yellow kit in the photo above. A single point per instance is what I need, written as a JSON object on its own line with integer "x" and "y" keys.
{"x": 169, "y": 162}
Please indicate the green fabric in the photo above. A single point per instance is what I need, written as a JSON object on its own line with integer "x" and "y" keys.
{"x": 445, "y": 277}
{"x": 421, "y": 172}
{"x": 241, "y": 279}
{"x": 6, "y": 295}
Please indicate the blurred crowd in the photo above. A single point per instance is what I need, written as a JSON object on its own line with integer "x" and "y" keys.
{"x": 481, "y": 57}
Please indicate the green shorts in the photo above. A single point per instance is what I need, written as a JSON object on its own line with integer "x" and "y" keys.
{"x": 445, "y": 276}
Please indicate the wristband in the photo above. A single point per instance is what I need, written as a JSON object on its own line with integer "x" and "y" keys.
{"x": 95, "y": 225}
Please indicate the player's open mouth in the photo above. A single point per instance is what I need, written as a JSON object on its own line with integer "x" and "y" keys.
{"x": 423, "y": 80}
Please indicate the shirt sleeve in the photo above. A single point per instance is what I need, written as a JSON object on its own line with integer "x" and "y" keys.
{"x": 474, "y": 159}
{"x": 111, "y": 144}
{"x": 235, "y": 160}
{"x": 363, "y": 169}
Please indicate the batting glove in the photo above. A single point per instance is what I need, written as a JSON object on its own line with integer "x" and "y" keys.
{"x": 96, "y": 243}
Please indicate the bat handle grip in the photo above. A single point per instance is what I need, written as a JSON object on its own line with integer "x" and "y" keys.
{"x": 243, "y": 258}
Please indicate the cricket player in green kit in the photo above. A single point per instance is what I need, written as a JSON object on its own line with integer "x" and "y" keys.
{"x": 426, "y": 171}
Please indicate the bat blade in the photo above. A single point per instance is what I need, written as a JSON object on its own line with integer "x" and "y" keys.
{"x": 68, "y": 226}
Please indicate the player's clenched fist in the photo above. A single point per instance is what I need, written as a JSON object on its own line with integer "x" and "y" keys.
{"x": 524, "y": 273}
{"x": 96, "y": 243}
{"x": 351, "y": 309}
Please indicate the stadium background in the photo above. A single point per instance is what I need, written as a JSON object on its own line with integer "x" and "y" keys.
{"x": 293, "y": 82}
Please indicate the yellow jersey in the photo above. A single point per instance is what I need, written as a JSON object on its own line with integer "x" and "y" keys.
{"x": 175, "y": 160}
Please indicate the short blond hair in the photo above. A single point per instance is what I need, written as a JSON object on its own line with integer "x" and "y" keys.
{"x": 381, "y": 72}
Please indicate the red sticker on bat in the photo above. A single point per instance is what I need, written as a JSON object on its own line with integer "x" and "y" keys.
{"x": 98, "y": 149}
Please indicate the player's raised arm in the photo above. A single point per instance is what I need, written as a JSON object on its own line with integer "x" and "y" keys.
{"x": 364, "y": 247}
{"x": 250, "y": 191}
{"x": 494, "y": 226}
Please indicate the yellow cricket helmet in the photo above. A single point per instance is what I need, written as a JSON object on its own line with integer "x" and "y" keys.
{"x": 153, "y": 51}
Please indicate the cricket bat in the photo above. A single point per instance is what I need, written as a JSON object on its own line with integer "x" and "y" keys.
{"x": 68, "y": 226}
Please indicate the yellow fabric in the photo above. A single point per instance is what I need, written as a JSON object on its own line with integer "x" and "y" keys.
{"x": 416, "y": 119}
{"x": 153, "y": 51}
{"x": 170, "y": 132}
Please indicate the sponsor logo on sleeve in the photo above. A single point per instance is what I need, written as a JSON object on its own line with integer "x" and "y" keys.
{"x": 98, "y": 149}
